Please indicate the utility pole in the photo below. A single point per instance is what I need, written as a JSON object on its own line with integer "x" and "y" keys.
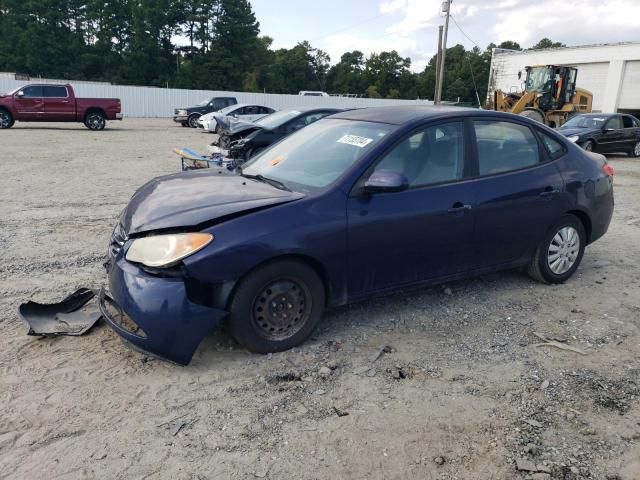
{"x": 436, "y": 100}
{"x": 445, "y": 5}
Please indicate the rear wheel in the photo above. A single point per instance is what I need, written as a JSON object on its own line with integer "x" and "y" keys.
{"x": 276, "y": 306}
{"x": 588, "y": 145}
{"x": 95, "y": 121}
{"x": 560, "y": 253}
{"x": 533, "y": 115}
{"x": 635, "y": 151}
{"x": 193, "y": 121}
{"x": 6, "y": 119}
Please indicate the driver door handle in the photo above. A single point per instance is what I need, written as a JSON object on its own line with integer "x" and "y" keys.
{"x": 549, "y": 192}
{"x": 459, "y": 207}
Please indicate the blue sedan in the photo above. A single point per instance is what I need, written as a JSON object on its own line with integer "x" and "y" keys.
{"x": 361, "y": 203}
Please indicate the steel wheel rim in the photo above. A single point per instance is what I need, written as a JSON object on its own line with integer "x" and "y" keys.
{"x": 281, "y": 309}
{"x": 96, "y": 122}
{"x": 193, "y": 122}
{"x": 636, "y": 149}
{"x": 563, "y": 250}
{"x": 588, "y": 147}
{"x": 4, "y": 120}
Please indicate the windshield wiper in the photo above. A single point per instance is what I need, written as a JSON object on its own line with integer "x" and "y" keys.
{"x": 261, "y": 178}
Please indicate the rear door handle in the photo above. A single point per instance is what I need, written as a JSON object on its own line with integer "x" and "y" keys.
{"x": 459, "y": 207}
{"x": 549, "y": 192}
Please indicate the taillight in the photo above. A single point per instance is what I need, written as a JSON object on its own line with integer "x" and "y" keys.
{"x": 608, "y": 170}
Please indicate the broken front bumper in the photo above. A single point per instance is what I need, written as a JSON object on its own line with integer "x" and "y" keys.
{"x": 154, "y": 314}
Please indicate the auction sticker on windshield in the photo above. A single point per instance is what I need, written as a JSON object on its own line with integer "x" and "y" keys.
{"x": 355, "y": 140}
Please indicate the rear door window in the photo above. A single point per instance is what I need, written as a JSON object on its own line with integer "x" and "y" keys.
{"x": 504, "y": 146}
{"x": 54, "y": 92}
{"x": 627, "y": 122}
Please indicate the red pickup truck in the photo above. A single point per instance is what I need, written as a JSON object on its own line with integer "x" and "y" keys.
{"x": 56, "y": 103}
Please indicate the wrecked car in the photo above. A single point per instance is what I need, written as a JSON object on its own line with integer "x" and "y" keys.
{"x": 244, "y": 139}
{"x": 361, "y": 203}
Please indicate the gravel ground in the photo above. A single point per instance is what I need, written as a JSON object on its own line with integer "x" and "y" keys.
{"x": 461, "y": 391}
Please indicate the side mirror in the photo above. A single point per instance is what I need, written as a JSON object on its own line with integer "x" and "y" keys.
{"x": 386, "y": 181}
{"x": 20, "y": 94}
{"x": 235, "y": 115}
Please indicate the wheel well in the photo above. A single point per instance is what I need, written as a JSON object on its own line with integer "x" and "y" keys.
{"x": 586, "y": 222}
{"x": 94, "y": 110}
{"x": 309, "y": 261}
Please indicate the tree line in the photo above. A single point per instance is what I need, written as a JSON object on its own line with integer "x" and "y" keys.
{"x": 212, "y": 45}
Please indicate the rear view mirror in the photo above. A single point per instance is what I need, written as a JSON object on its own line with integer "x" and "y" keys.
{"x": 386, "y": 181}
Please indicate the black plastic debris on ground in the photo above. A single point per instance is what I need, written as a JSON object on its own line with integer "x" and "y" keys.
{"x": 67, "y": 317}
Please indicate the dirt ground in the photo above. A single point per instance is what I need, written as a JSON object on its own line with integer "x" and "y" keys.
{"x": 462, "y": 392}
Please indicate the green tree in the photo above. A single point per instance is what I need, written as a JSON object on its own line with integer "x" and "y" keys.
{"x": 547, "y": 43}
{"x": 347, "y": 75}
{"x": 509, "y": 45}
{"x": 386, "y": 71}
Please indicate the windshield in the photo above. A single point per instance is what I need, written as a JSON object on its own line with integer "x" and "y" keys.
{"x": 276, "y": 119}
{"x": 203, "y": 103}
{"x": 317, "y": 155}
{"x": 584, "y": 121}
{"x": 12, "y": 92}
{"x": 537, "y": 79}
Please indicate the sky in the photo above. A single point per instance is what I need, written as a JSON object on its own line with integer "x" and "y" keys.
{"x": 411, "y": 26}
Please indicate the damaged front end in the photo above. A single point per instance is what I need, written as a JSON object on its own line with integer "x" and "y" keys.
{"x": 153, "y": 311}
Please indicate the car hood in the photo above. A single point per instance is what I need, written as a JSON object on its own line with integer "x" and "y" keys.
{"x": 232, "y": 125}
{"x": 567, "y": 132}
{"x": 190, "y": 199}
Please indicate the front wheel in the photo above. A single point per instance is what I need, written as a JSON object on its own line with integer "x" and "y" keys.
{"x": 95, "y": 121}
{"x": 193, "y": 121}
{"x": 588, "y": 145}
{"x": 276, "y": 306}
{"x": 560, "y": 253}
{"x": 635, "y": 151}
{"x": 6, "y": 120}
{"x": 252, "y": 153}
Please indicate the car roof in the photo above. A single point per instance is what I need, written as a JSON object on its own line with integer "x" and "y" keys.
{"x": 592, "y": 114}
{"x": 403, "y": 114}
{"x": 313, "y": 109}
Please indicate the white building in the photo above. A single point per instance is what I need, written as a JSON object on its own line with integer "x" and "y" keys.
{"x": 610, "y": 71}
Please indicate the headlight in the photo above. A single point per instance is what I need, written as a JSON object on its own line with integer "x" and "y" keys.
{"x": 166, "y": 250}
{"x": 573, "y": 138}
{"x": 182, "y": 113}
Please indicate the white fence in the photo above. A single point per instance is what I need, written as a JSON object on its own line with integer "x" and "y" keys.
{"x": 161, "y": 102}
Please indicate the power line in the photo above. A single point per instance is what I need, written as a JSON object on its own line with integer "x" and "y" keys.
{"x": 469, "y": 61}
{"x": 463, "y": 33}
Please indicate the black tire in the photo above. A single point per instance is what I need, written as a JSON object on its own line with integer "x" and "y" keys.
{"x": 252, "y": 153}
{"x": 588, "y": 145}
{"x": 533, "y": 115}
{"x": 95, "y": 121}
{"x": 184, "y": 124}
{"x": 635, "y": 150}
{"x": 193, "y": 121}
{"x": 276, "y": 306}
{"x": 6, "y": 120}
{"x": 540, "y": 266}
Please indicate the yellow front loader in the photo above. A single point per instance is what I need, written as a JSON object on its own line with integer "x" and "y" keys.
{"x": 550, "y": 96}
